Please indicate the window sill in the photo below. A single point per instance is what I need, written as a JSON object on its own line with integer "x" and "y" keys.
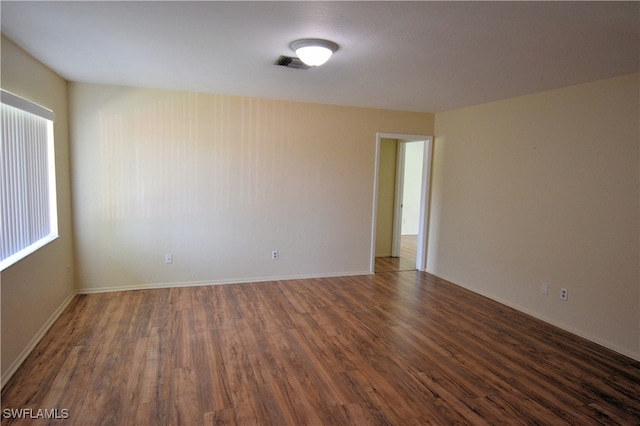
{"x": 16, "y": 257}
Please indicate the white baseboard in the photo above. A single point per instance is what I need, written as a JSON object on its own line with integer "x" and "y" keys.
{"x": 581, "y": 333}
{"x": 34, "y": 341}
{"x": 217, "y": 282}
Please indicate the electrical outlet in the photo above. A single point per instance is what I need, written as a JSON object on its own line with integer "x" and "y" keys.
{"x": 564, "y": 294}
{"x": 275, "y": 255}
{"x": 544, "y": 289}
{"x": 168, "y": 258}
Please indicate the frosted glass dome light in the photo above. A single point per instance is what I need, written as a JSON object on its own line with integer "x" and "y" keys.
{"x": 313, "y": 51}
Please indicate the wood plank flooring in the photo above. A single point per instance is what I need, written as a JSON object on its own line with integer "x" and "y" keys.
{"x": 407, "y": 259}
{"x": 400, "y": 348}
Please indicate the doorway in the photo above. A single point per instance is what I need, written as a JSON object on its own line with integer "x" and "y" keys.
{"x": 401, "y": 202}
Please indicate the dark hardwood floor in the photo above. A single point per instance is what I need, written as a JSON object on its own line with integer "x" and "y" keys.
{"x": 401, "y": 348}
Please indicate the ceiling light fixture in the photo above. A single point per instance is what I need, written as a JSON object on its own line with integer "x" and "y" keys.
{"x": 313, "y": 51}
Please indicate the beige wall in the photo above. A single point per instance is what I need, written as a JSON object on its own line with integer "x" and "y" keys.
{"x": 386, "y": 196}
{"x": 544, "y": 188}
{"x": 220, "y": 182}
{"x": 34, "y": 288}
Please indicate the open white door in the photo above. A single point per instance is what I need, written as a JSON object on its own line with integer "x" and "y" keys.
{"x": 398, "y": 201}
{"x": 425, "y": 196}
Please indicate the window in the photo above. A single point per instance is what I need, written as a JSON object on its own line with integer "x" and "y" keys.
{"x": 28, "y": 212}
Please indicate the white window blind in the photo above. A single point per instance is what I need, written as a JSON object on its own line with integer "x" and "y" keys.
{"x": 28, "y": 212}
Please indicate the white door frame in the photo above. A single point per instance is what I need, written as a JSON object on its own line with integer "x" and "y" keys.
{"x": 423, "y": 227}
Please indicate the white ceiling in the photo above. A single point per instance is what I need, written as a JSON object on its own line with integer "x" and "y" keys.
{"x": 416, "y": 56}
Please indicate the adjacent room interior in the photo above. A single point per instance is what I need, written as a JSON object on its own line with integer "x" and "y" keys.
{"x": 441, "y": 224}
{"x": 401, "y": 202}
